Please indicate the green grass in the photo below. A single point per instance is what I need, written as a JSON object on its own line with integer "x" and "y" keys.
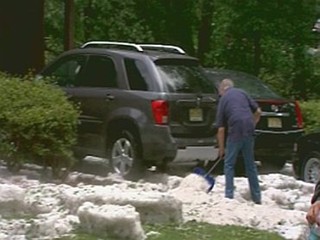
{"x": 194, "y": 231}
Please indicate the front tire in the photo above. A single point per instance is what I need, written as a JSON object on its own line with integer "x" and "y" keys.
{"x": 310, "y": 171}
{"x": 125, "y": 155}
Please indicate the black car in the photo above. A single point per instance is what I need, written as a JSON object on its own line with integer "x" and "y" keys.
{"x": 141, "y": 104}
{"x": 281, "y": 120}
{"x": 306, "y": 163}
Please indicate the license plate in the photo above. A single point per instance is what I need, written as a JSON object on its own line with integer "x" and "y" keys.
{"x": 195, "y": 114}
{"x": 274, "y": 123}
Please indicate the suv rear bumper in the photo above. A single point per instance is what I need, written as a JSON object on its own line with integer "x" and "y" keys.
{"x": 194, "y": 153}
{"x": 267, "y": 142}
{"x": 160, "y": 146}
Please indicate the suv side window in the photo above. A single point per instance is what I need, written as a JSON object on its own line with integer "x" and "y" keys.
{"x": 136, "y": 74}
{"x": 99, "y": 72}
{"x": 66, "y": 71}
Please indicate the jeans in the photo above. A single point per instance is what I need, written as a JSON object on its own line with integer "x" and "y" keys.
{"x": 312, "y": 236}
{"x": 246, "y": 146}
{"x": 314, "y": 233}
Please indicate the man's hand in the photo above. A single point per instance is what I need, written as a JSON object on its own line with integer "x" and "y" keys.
{"x": 312, "y": 213}
{"x": 221, "y": 153}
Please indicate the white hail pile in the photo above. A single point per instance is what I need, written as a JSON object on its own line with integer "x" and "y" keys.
{"x": 31, "y": 209}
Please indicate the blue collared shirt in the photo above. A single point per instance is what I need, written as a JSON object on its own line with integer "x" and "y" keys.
{"x": 235, "y": 113}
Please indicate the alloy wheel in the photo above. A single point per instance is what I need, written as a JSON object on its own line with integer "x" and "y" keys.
{"x": 122, "y": 156}
{"x": 312, "y": 170}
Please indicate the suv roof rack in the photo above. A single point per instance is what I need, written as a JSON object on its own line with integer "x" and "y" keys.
{"x": 112, "y": 44}
{"x": 135, "y": 46}
{"x": 162, "y": 47}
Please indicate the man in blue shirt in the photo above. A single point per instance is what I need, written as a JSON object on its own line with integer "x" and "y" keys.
{"x": 313, "y": 214}
{"x": 237, "y": 114}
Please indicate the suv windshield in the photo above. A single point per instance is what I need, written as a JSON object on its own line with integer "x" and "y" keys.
{"x": 184, "y": 76}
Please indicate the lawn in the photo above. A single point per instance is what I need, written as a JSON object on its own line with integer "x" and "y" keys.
{"x": 193, "y": 231}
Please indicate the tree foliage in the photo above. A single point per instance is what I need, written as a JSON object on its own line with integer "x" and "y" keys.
{"x": 311, "y": 115}
{"x": 95, "y": 20}
{"x": 267, "y": 38}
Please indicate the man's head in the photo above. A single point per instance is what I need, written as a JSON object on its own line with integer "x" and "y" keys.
{"x": 224, "y": 85}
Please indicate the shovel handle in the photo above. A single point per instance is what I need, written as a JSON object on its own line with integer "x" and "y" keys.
{"x": 213, "y": 166}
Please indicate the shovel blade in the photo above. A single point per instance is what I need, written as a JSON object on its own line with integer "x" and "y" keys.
{"x": 210, "y": 180}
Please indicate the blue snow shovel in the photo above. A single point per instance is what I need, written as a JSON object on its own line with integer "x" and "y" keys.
{"x": 206, "y": 175}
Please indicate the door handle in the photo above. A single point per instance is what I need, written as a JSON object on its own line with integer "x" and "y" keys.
{"x": 109, "y": 97}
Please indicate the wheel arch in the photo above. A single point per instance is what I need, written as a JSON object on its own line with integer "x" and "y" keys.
{"x": 121, "y": 124}
{"x": 305, "y": 160}
{"x": 305, "y": 147}
{"x": 307, "y": 144}
{"x": 126, "y": 129}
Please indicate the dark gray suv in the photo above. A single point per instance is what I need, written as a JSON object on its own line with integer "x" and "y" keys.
{"x": 142, "y": 104}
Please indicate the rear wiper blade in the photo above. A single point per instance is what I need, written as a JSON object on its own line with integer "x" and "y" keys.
{"x": 185, "y": 90}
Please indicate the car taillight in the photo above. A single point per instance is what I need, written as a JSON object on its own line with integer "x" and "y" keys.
{"x": 160, "y": 111}
{"x": 298, "y": 115}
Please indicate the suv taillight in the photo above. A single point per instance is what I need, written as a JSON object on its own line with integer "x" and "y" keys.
{"x": 160, "y": 111}
{"x": 298, "y": 115}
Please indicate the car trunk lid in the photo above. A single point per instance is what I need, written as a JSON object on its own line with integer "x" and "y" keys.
{"x": 192, "y": 116}
{"x": 279, "y": 115}
{"x": 191, "y": 98}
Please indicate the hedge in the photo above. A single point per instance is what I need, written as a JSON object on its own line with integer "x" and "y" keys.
{"x": 311, "y": 115}
{"x": 38, "y": 123}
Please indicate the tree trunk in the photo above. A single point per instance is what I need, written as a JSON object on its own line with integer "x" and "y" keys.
{"x": 68, "y": 24}
{"x": 88, "y": 13}
{"x": 21, "y": 36}
{"x": 257, "y": 53}
{"x": 205, "y": 28}
{"x": 179, "y": 17}
{"x": 299, "y": 85}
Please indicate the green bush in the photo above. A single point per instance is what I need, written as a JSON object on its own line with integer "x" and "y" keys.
{"x": 38, "y": 123}
{"x": 311, "y": 115}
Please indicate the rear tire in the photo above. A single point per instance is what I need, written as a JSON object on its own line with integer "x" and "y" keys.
{"x": 163, "y": 166}
{"x": 310, "y": 171}
{"x": 279, "y": 163}
{"x": 272, "y": 164}
{"x": 13, "y": 165}
{"x": 125, "y": 156}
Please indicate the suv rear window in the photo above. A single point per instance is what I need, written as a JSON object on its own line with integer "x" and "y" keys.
{"x": 249, "y": 83}
{"x": 184, "y": 76}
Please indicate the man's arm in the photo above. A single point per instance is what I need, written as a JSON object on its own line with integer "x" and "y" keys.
{"x": 315, "y": 207}
{"x": 316, "y": 193}
{"x": 221, "y": 139}
{"x": 257, "y": 115}
{"x": 254, "y": 108}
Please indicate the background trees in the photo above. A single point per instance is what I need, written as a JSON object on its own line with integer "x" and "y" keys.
{"x": 21, "y": 36}
{"x": 269, "y": 39}
{"x": 266, "y": 38}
